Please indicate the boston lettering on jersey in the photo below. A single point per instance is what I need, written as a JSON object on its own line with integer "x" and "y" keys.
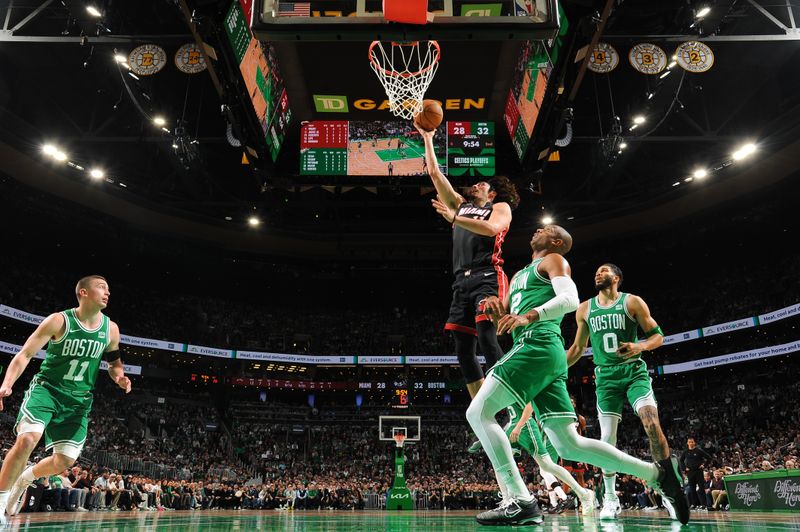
{"x": 473, "y": 251}
{"x": 608, "y": 327}
{"x": 72, "y": 362}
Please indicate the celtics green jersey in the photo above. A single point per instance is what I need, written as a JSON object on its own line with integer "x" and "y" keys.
{"x": 608, "y": 327}
{"x": 531, "y": 289}
{"x": 73, "y": 361}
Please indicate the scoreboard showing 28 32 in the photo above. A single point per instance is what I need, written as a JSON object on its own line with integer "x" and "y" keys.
{"x": 470, "y": 149}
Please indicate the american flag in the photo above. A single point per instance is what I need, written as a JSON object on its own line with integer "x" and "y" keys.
{"x": 294, "y": 9}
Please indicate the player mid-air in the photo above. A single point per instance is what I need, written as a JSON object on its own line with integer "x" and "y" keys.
{"x": 59, "y": 398}
{"x": 480, "y": 222}
{"x": 534, "y": 371}
{"x": 610, "y": 321}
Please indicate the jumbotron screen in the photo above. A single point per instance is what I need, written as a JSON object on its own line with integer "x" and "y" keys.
{"x": 341, "y": 147}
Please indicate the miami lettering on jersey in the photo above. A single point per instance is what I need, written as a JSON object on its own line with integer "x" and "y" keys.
{"x": 479, "y": 213}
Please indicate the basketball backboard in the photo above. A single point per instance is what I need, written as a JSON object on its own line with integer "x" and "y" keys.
{"x": 388, "y": 426}
{"x": 343, "y": 20}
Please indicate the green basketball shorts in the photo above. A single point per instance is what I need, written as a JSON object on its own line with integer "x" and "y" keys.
{"x": 62, "y": 417}
{"x": 535, "y": 371}
{"x": 615, "y": 383}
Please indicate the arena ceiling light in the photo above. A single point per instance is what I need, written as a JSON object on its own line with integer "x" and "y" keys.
{"x": 623, "y": 145}
{"x": 96, "y": 173}
{"x": 639, "y": 119}
{"x": 93, "y": 11}
{"x": 547, "y": 220}
{"x": 49, "y": 149}
{"x": 703, "y": 12}
{"x": 700, "y": 173}
{"x": 59, "y": 155}
{"x": 744, "y": 151}
{"x": 665, "y": 74}
{"x": 159, "y": 121}
{"x": 253, "y": 221}
{"x": 119, "y": 58}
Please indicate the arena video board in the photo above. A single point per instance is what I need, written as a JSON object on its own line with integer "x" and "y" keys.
{"x": 263, "y": 81}
{"x": 394, "y": 148}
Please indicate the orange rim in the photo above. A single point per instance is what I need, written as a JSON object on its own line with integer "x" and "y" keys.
{"x": 437, "y": 55}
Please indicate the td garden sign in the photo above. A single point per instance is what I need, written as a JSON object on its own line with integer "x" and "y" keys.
{"x": 765, "y": 491}
{"x": 331, "y": 103}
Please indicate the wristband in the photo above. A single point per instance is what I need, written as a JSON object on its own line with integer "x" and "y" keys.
{"x": 654, "y": 330}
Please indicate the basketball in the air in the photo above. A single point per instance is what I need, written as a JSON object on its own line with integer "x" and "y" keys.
{"x": 431, "y": 115}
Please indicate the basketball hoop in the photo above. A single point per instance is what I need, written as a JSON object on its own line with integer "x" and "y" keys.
{"x": 399, "y": 438}
{"x": 405, "y": 69}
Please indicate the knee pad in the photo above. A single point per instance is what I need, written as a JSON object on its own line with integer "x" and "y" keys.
{"x": 467, "y": 359}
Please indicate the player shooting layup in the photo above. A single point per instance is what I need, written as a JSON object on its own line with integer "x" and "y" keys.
{"x": 610, "y": 320}
{"x": 59, "y": 399}
{"x": 480, "y": 224}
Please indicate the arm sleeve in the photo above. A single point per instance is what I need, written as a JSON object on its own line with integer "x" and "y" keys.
{"x": 111, "y": 356}
{"x": 565, "y": 301}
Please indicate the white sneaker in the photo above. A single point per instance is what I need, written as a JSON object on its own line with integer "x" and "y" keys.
{"x": 16, "y": 495}
{"x": 611, "y": 509}
{"x": 587, "y": 503}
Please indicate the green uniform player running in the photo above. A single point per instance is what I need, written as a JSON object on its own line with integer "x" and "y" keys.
{"x": 59, "y": 398}
{"x": 611, "y": 321}
{"x": 535, "y": 371}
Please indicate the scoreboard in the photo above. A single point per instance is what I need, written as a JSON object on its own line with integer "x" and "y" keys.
{"x": 339, "y": 147}
{"x": 323, "y": 147}
{"x": 470, "y": 148}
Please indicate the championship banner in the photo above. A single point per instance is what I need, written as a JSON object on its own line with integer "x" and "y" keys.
{"x": 147, "y": 59}
{"x": 694, "y": 56}
{"x": 603, "y": 58}
{"x": 733, "y": 358}
{"x": 647, "y": 58}
{"x": 189, "y": 59}
{"x": 765, "y": 491}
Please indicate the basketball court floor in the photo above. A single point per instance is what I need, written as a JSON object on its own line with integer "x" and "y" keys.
{"x": 312, "y": 521}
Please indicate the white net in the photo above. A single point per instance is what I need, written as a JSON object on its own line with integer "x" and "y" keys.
{"x": 405, "y": 71}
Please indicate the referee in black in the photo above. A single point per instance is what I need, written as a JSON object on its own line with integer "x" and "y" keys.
{"x": 480, "y": 223}
{"x": 693, "y": 462}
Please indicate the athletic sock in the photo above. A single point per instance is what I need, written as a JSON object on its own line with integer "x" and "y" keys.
{"x": 552, "y": 496}
{"x": 610, "y": 483}
{"x": 4, "y": 499}
{"x": 514, "y": 483}
{"x": 560, "y": 493}
{"x": 28, "y": 475}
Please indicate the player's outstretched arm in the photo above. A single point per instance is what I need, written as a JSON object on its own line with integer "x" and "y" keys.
{"x": 654, "y": 337}
{"x": 115, "y": 368}
{"x": 575, "y": 351}
{"x": 52, "y": 327}
{"x": 447, "y": 194}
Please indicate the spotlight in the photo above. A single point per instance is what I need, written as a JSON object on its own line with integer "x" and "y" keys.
{"x": 639, "y": 119}
{"x": 744, "y": 151}
{"x": 676, "y": 183}
{"x": 672, "y": 64}
{"x": 689, "y": 179}
{"x": 119, "y": 58}
{"x": 96, "y": 173}
{"x": 175, "y": 146}
{"x": 703, "y": 12}
{"x": 253, "y": 221}
{"x": 634, "y": 126}
{"x": 93, "y": 11}
{"x": 59, "y": 155}
{"x": 159, "y": 121}
{"x": 49, "y": 149}
{"x": 700, "y": 173}
{"x": 547, "y": 220}
{"x": 623, "y": 145}
{"x": 650, "y": 95}
{"x": 665, "y": 74}
{"x": 134, "y": 76}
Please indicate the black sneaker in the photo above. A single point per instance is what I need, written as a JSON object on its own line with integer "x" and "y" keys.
{"x": 670, "y": 482}
{"x": 512, "y": 513}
